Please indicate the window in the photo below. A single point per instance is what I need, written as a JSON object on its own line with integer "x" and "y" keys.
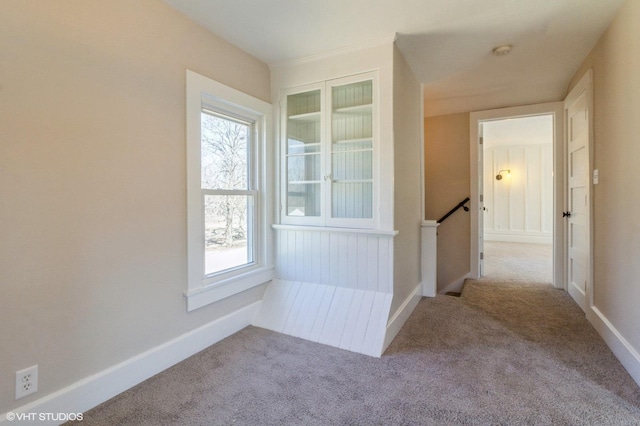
{"x": 227, "y": 211}
{"x": 227, "y": 190}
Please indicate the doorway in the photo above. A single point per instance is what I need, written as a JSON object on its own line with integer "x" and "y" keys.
{"x": 509, "y": 212}
{"x": 518, "y": 198}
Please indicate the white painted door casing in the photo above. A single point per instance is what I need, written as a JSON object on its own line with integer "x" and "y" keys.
{"x": 555, "y": 109}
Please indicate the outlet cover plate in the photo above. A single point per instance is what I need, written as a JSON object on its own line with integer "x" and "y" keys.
{"x": 26, "y": 381}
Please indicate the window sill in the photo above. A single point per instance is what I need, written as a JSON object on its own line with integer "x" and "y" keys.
{"x": 374, "y": 232}
{"x": 200, "y": 297}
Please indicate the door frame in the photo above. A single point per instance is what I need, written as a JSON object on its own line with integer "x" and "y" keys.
{"x": 556, "y": 109}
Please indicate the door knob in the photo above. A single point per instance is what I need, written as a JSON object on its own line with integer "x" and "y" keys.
{"x": 566, "y": 214}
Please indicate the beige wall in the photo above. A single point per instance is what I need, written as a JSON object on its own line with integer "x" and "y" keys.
{"x": 447, "y": 182}
{"x": 615, "y": 61}
{"x": 407, "y": 198}
{"x": 92, "y": 182}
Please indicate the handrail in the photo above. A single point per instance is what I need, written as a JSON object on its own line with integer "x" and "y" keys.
{"x": 453, "y": 210}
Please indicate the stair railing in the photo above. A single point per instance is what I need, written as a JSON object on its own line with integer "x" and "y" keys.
{"x": 453, "y": 210}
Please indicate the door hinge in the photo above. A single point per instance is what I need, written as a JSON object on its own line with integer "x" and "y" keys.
{"x": 481, "y": 256}
{"x": 481, "y": 139}
{"x": 482, "y": 198}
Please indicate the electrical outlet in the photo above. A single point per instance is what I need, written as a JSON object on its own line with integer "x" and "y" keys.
{"x": 26, "y": 381}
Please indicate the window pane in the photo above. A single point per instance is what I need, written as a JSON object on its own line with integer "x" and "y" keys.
{"x": 349, "y": 95}
{"x": 224, "y": 153}
{"x": 299, "y": 147}
{"x": 351, "y": 200}
{"x": 302, "y": 168}
{"x": 352, "y": 151}
{"x": 228, "y": 223}
{"x": 352, "y": 165}
{"x": 303, "y": 199}
{"x": 301, "y": 104}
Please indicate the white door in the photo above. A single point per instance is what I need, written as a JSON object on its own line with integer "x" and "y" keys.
{"x": 481, "y": 208}
{"x": 578, "y": 191}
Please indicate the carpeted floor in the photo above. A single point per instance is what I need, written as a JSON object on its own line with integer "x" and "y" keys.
{"x": 518, "y": 261}
{"x": 508, "y": 352}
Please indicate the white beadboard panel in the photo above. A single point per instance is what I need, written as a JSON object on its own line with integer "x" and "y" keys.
{"x": 325, "y": 258}
{"x": 294, "y": 318}
{"x": 356, "y": 260}
{"x": 376, "y": 328}
{"x": 337, "y": 317}
{"x": 533, "y": 189}
{"x": 517, "y": 188}
{"x": 324, "y": 304}
{"x": 519, "y": 207}
{"x": 311, "y": 309}
{"x": 352, "y": 319}
{"x": 385, "y": 269}
{"x": 354, "y": 255}
{"x": 372, "y": 277}
{"x": 333, "y": 286}
{"x": 274, "y": 315}
{"x": 300, "y": 253}
{"x": 360, "y": 329}
{"x": 345, "y": 318}
{"x": 363, "y": 258}
{"x": 316, "y": 258}
{"x": 343, "y": 261}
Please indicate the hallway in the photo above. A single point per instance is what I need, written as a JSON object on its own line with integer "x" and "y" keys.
{"x": 518, "y": 261}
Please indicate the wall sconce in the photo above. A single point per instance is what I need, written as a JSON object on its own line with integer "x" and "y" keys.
{"x": 499, "y": 175}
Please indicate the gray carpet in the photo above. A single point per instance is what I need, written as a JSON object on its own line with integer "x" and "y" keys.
{"x": 518, "y": 261}
{"x": 508, "y": 352}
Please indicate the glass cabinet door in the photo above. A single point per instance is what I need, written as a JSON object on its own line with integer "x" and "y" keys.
{"x": 329, "y": 153}
{"x": 303, "y": 155}
{"x": 352, "y": 151}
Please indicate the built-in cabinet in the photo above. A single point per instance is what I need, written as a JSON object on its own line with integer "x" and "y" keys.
{"x": 336, "y": 243}
{"x": 329, "y": 139}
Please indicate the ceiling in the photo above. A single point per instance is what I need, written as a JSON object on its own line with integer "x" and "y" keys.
{"x": 447, "y": 43}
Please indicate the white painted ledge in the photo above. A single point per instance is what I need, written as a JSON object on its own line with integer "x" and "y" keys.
{"x": 372, "y": 232}
{"x": 199, "y": 297}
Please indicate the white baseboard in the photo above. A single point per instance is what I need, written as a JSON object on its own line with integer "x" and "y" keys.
{"x": 456, "y": 285}
{"x": 620, "y": 347}
{"x": 100, "y": 387}
{"x": 401, "y": 316}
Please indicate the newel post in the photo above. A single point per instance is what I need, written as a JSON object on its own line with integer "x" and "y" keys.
{"x": 429, "y": 257}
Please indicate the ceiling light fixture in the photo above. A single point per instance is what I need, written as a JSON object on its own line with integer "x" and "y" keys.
{"x": 502, "y": 50}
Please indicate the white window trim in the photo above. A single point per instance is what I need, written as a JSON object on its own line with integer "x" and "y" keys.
{"x": 204, "y": 92}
